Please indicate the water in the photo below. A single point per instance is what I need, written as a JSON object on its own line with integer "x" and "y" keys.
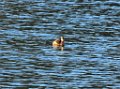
{"x": 90, "y": 58}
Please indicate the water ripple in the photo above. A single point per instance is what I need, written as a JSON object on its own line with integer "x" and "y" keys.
{"x": 89, "y": 59}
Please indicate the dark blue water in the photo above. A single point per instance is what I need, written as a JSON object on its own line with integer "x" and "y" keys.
{"x": 89, "y": 59}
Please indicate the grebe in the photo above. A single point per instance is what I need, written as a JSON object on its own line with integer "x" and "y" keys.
{"x": 58, "y": 42}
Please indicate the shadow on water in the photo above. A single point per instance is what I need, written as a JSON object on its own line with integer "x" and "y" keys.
{"x": 89, "y": 59}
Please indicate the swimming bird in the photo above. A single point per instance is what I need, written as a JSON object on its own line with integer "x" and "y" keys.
{"x": 58, "y": 42}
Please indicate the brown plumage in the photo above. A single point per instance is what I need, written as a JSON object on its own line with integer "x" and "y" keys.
{"x": 58, "y": 42}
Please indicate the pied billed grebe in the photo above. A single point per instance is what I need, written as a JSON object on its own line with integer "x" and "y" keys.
{"x": 58, "y": 42}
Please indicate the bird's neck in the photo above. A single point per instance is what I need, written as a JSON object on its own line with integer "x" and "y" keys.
{"x": 62, "y": 43}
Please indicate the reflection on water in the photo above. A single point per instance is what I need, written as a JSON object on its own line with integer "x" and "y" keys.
{"x": 89, "y": 59}
{"x": 59, "y": 48}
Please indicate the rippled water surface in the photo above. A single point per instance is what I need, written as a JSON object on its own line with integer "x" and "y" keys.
{"x": 89, "y": 59}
